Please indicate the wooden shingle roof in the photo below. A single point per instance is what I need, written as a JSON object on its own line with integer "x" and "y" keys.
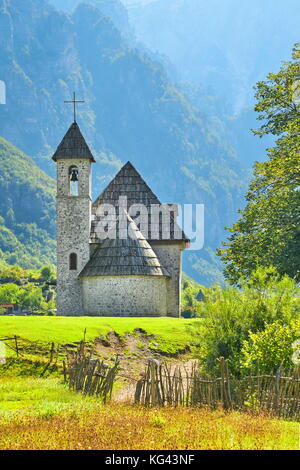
{"x": 132, "y": 256}
{"x": 73, "y": 145}
{"x": 128, "y": 182}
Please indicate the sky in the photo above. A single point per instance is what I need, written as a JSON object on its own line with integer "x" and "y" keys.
{"x": 136, "y": 2}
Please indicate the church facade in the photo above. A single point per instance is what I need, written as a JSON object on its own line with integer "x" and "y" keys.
{"x": 113, "y": 259}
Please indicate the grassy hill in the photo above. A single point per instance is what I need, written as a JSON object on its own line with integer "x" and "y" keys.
{"x": 27, "y": 210}
{"x": 166, "y": 335}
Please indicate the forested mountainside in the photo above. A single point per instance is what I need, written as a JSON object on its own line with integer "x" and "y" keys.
{"x": 133, "y": 111}
{"x": 27, "y": 210}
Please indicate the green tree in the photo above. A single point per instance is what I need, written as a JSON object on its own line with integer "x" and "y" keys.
{"x": 192, "y": 295}
{"x": 47, "y": 273}
{"x": 31, "y": 298}
{"x": 10, "y": 293}
{"x": 12, "y": 274}
{"x": 268, "y": 232}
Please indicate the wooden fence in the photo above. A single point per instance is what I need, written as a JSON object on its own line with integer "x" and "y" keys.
{"x": 89, "y": 375}
{"x": 278, "y": 394}
{"x": 51, "y": 352}
{"x": 164, "y": 385}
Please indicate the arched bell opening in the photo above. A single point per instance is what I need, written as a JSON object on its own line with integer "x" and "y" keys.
{"x": 73, "y": 181}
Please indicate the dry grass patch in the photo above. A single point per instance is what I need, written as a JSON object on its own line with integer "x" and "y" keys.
{"x": 126, "y": 427}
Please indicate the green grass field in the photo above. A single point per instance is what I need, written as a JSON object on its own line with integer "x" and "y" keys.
{"x": 168, "y": 335}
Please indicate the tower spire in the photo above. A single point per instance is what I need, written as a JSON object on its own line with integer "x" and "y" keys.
{"x": 73, "y": 145}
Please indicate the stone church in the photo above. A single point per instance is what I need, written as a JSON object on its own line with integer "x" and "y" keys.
{"x": 114, "y": 276}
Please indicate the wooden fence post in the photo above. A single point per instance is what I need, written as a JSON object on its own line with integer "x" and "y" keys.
{"x": 65, "y": 370}
{"x": 17, "y": 348}
{"x": 225, "y": 385}
{"x": 51, "y": 353}
{"x": 276, "y": 391}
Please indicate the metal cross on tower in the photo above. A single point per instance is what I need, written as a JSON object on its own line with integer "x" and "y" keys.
{"x": 74, "y": 101}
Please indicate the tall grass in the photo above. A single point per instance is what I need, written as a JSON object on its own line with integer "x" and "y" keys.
{"x": 126, "y": 427}
{"x": 43, "y": 414}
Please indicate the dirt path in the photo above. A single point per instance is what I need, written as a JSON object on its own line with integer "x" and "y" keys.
{"x": 133, "y": 352}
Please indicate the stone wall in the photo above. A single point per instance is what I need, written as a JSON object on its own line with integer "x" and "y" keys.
{"x": 170, "y": 255}
{"x": 137, "y": 296}
{"x": 73, "y": 232}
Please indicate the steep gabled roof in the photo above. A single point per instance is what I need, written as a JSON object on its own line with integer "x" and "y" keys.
{"x": 128, "y": 182}
{"x": 73, "y": 145}
{"x": 132, "y": 256}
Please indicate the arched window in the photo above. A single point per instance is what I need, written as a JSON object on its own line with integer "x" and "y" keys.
{"x": 73, "y": 262}
{"x": 73, "y": 181}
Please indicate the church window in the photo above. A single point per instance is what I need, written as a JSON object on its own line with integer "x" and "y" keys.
{"x": 73, "y": 262}
{"x": 73, "y": 181}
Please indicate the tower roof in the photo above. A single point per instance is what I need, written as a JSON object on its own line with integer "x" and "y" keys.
{"x": 73, "y": 145}
{"x": 132, "y": 256}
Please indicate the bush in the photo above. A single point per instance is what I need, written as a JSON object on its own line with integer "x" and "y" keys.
{"x": 12, "y": 274}
{"x": 270, "y": 349}
{"x": 231, "y": 315}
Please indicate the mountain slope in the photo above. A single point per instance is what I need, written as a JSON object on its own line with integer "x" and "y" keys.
{"x": 27, "y": 210}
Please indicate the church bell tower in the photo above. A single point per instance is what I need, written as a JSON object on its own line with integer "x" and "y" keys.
{"x": 73, "y": 158}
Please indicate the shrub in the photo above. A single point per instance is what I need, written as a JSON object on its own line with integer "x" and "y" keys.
{"x": 231, "y": 315}
{"x": 271, "y": 348}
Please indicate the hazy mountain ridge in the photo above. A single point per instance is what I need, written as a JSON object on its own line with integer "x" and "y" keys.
{"x": 112, "y": 9}
{"x": 223, "y": 47}
{"x": 227, "y": 44}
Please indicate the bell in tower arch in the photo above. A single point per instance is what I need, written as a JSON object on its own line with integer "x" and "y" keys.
{"x": 73, "y": 181}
